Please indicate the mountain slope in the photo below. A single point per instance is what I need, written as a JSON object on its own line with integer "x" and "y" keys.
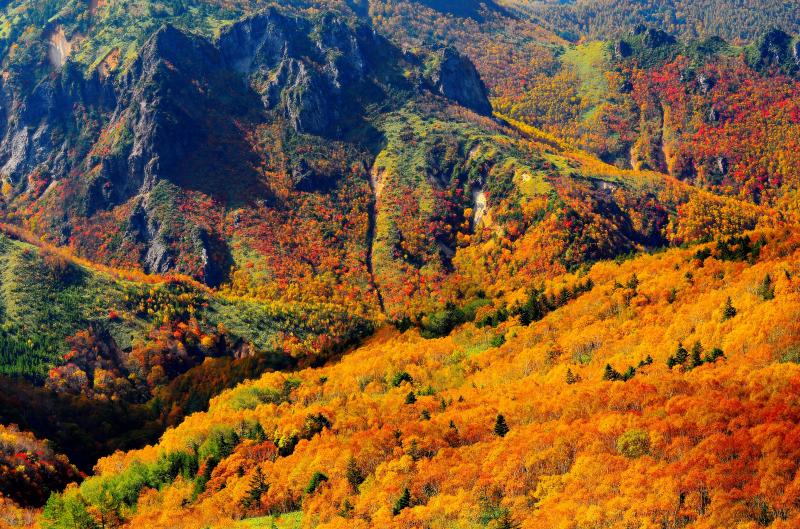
{"x": 96, "y": 361}
{"x": 406, "y": 412}
{"x": 718, "y": 116}
{"x": 208, "y": 191}
{"x": 708, "y": 18}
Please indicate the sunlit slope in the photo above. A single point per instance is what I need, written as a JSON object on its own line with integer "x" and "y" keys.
{"x": 663, "y": 394}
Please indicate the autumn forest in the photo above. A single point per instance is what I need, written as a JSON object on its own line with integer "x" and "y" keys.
{"x": 503, "y": 264}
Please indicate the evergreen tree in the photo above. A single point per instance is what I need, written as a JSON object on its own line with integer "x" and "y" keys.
{"x": 697, "y": 351}
{"x": 346, "y": 511}
{"x": 505, "y": 521}
{"x": 403, "y": 502}
{"x": 728, "y": 311}
{"x": 681, "y": 354}
{"x": 715, "y": 354}
{"x": 766, "y": 290}
{"x": 671, "y": 361}
{"x": 414, "y": 451}
{"x": 353, "y": 474}
{"x": 571, "y": 378}
{"x": 629, "y": 373}
{"x": 611, "y": 374}
{"x": 672, "y": 295}
{"x": 257, "y": 487}
{"x": 500, "y": 426}
{"x": 316, "y": 480}
{"x": 401, "y": 377}
{"x": 411, "y": 398}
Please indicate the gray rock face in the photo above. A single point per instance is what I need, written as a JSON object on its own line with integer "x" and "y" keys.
{"x": 655, "y": 38}
{"x": 341, "y": 47}
{"x": 257, "y": 42}
{"x": 705, "y": 83}
{"x": 776, "y": 49}
{"x": 165, "y": 115}
{"x": 307, "y": 72}
{"x": 180, "y": 117}
{"x": 721, "y": 165}
{"x": 143, "y": 228}
{"x": 457, "y": 78}
{"x": 622, "y": 49}
{"x": 773, "y": 46}
{"x": 301, "y": 93}
{"x": 38, "y": 123}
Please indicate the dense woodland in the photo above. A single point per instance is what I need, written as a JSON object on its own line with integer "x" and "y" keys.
{"x": 364, "y": 283}
{"x": 728, "y": 19}
{"x": 666, "y": 369}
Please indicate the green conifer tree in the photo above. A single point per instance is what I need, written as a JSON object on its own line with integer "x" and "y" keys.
{"x": 571, "y": 378}
{"x": 697, "y": 351}
{"x": 403, "y": 502}
{"x": 500, "y": 426}
{"x": 256, "y": 488}
{"x": 728, "y": 311}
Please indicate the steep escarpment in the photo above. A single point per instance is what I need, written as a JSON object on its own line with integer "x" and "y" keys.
{"x": 455, "y": 77}
{"x": 186, "y": 120}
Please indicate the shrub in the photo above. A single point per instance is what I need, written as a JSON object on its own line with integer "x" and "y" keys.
{"x": 250, "y": 397}
{"x": 766, "y": 289}
{"x": 633, "y": 444}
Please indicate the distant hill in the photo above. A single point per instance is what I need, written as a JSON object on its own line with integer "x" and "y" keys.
{"x": 729, "y": 19}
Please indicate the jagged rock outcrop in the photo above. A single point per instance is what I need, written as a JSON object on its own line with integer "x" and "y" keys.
{"x": 311, "y": 73}
{"x": 773, "y": 46}
{"x": 145, "y": 229}
{"x": 622, "y": 49}
{"x": 301, "y": 93}
{"x": 776, "y": 49}
{"x": 455, "y": 77}
{"x": 655, "y": 38}
{"x": 705, "y": 83}
{"x": 39, "y": 125}
{"x": 183, "y": 116}
{"x": 166, "y": 106}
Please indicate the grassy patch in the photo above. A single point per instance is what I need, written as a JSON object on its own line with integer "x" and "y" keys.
{"x": 292, "y": 520}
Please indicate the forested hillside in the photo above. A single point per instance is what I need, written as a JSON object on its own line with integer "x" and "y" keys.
{"x": 729, "y": 19}
{"x": 660, "y": 390}
{"x": 398, "y": 263}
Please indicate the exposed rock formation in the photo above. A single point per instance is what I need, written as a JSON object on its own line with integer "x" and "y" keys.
{"x": 180, "y": 118}
{"x": 455, "y": 77}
